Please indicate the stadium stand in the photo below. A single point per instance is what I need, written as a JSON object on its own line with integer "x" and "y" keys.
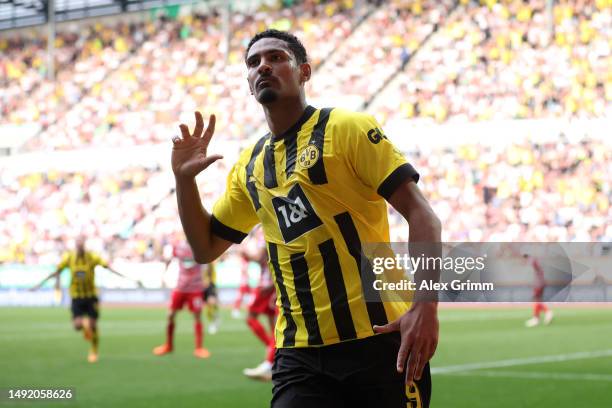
{"x": 497, "y": 60}
{"x": 451, "y": 62}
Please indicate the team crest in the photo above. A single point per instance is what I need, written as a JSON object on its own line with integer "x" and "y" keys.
{"x": 309, "y": 156}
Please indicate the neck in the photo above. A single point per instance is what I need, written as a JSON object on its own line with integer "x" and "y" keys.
{"x": 282, "y": 115}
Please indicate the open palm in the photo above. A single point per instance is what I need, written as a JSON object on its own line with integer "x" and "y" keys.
{"x": 189, "y": 152}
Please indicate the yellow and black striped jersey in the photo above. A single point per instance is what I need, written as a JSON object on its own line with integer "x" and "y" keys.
{"x": 209, "y": 275}
{"x": 82, "y": 270}
{"x": 318, "y": 190}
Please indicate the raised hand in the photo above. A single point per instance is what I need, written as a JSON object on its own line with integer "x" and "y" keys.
{"x": 189, "y": 152}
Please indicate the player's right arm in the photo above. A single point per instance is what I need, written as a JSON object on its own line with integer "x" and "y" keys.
{"x": 189, "y": 158}
{"x": 63, "y": 263}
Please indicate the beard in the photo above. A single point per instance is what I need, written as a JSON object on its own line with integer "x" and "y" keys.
{"x": 266, "y": 96}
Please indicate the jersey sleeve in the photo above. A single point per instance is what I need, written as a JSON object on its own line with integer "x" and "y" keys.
{"x": 233, "y": 214}
{"x": 373, "y": 157}
{"x": 63, "y": 262}
{"x": 97, "y": 260}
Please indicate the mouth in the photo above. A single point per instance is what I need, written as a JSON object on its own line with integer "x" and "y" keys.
{"x": 264, "y": 83}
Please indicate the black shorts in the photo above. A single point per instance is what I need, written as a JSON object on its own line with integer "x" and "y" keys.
{"x": 358, "y": 373}
{"x": 210, "y": 291}
{"x": 85, "y": 307}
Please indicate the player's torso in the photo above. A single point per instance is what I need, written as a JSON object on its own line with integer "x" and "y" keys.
{"x": 300, "y": 185}
{"x": 190, "y": 273}
{"x": 82, "y": 275}
{"x": 314, "y": 212}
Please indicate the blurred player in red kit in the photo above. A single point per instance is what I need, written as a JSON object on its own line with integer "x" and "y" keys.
{"x": 188, "y": 292}
{"x": 538, "y": 292}
{"x": 263, "y": 303}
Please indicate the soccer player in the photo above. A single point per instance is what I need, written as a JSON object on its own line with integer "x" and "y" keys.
{"x": 84, "y": 305}
{"x": 317, "y": 183}
{"x": 538, "y": 292}
{"x": 211, "y": 299}
{"x": 263, "y": 303}
{"x": 244, "y": 288}
{"x": 188, "y": 291}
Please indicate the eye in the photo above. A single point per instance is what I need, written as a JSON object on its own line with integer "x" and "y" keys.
{"x": 252, "y": 62}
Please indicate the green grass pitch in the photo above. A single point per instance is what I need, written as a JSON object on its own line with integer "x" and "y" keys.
{"x": 486, "y": 357}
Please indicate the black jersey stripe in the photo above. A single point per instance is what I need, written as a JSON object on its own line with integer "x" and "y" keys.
{"x": 337, "y": 291}
{"x": 227, "y": 233}
{"x": 250, "y": 185}
{"x": 304, "y": 295}
{"x": 291, "y": 149}
{"x": 317, "y": 173}
{"x": 291, "y": 327}
{"x": 397, "y": 177}
{"x": 269, "y": 167}
{"x": 376, "y": 310}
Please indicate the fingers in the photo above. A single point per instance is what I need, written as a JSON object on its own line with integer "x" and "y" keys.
{"x": 210, "y": 129}
{"x": 426, "y": 355}
{"x": 184, "y": 131}
{"x": 414, "y": 365}
{"x": 419, "y": 357}
{"x": 402, "y": 355}
{"x": 387, "y": 328}
{"x": 197, "y": 132}
{"x": 199, "y": 127}
{"x": 210, "y": 160}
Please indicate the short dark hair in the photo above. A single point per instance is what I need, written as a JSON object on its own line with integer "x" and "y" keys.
{"x": 294, "y": 44}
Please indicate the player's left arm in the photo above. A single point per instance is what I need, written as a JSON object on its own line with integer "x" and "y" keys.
{"x": 418, "y": 327}
{"x": 383, "y": 168}
{"x": 105, "y": 264}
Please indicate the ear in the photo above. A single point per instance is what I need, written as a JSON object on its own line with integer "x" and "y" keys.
{"x": 305, "y": 72}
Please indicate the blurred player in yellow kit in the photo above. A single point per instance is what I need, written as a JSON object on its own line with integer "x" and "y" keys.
{"x": 84, "y": 305}
{"x": 211, "y": 299}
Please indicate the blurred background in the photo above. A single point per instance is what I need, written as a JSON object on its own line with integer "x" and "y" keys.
{"x": 503, "y": 106}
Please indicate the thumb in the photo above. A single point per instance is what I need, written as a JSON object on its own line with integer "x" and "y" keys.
{"x": 208, "y": 160}
{"x": 387, "y": 328}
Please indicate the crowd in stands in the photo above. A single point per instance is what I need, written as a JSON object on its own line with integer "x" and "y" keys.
{"x": 373, "y": 51}
{"x": 132, "y": 84}
{"x": 82, "y": 60}
{"x": 468, "y": 60}
{"x": 527, "y": 192}
{"x": 498, "y": 59}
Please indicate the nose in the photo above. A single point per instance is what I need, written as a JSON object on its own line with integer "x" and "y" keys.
{"x": 264, "y": 67}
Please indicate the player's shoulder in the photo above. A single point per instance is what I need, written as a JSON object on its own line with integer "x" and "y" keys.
{"x": 348, "y": 118}
{"x": 92, "y": 256}
{"x": 349, "y": 127}
{"x": 66, "y": 255}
